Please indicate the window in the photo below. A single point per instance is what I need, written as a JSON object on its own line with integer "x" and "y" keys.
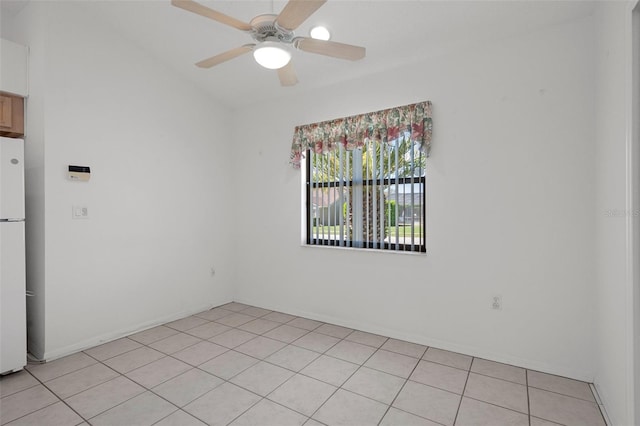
{"x": 370, "y": 197}
{"x": 365, "y": 178}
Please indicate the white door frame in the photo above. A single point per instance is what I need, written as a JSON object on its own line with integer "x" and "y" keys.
{"x": 632, "y": 84}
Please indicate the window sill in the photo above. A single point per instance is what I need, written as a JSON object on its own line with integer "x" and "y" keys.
{"x": 366, "y": 250}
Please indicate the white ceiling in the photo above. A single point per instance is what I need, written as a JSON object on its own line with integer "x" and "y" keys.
{"x": 395, "y": 33}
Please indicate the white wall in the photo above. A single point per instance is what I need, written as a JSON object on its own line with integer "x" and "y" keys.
{"x": 614, "y": 315}
{"x": 510, "y": 207}
{"x": 158, "y": 195}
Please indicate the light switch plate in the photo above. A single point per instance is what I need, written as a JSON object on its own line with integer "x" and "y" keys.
{"x": 80, "y": 212}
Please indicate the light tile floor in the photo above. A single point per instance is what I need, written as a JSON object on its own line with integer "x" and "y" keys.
{"x": 244, "y": 365}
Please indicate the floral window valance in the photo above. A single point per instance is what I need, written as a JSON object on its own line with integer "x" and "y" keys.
{"x": 351, "y": 132}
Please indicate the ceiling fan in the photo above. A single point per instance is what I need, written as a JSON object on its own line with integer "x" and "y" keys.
{"x": 274, "y": 36}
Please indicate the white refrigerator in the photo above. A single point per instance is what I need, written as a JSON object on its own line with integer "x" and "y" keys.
{"x": 13, "y": 311}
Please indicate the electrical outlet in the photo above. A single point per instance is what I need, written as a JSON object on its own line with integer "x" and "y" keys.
{"x": 213, "y": 271}
{"x": 496, "y": 302}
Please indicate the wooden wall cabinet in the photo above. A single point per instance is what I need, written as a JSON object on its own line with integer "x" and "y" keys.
{"x": 11, "y": 115}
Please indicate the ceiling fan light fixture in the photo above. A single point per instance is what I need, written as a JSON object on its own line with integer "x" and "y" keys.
{"x": 320, "y": 33}
{"x": 271, "y": 55}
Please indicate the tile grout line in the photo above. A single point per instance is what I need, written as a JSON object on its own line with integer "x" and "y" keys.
{"x": 455, "y": 419}
{"x": 345, "y": 381}
{"x": 147, "y": 389}
{"x": 403, "y": 385}
{"x": 294, "y": 373}
{"x": 526, "y": 380}
{"x": 56, "y": 395}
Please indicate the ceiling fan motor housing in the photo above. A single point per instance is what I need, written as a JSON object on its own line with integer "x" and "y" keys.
{"x": 264, "y": 28}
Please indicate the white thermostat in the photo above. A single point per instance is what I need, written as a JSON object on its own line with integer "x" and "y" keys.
{"x": 81, "y": 173}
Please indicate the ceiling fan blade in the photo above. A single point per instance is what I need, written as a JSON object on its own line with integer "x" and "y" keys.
{"x": 330, "y": 48}
{"x": 225, "y": 56}
{"x": 202, "y": 10}
{"x": 287, "y": 75}
{"x": 296, "y": 12}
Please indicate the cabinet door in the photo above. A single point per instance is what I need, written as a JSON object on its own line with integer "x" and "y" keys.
{"x": 6, "y": 117}
{"x": 11, "y": 115}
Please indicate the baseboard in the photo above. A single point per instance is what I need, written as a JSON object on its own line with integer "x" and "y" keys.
{"x": 436, "y": 343}
{"x": 108, "y": 337}
{"x": 601, "y": 404}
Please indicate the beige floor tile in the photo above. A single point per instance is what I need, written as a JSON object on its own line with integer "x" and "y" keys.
{"x": 103, "y": 397}
{"x": 222, "y": 405}
{"x": 57, "y": 414}
{"x": 563, "y": 409}
{"x": 477, "y": 413}
{"x": 157, "y": 372}
{"x": 260, "y": 347}
{"x": 256, "y": 312}
{"x": 214, "y": 314}
{"x": 316, "y": 342}
{"x": 235, "y": 306}
{"x": 330, "y": 370}
{"x": 259, "y": 326}
{"x": 351, "y": 351}
{"x": 366, "y": 338}
{"x": 494, "y": 393}
{"x": 428, "y": 402}
{"x": 145, "y": 409}
{"x": 262, "y": 378}
{"x": 392, "y": 363}
{"x": 302, "y": 394}
{"x": 25, "y": 402}
{"x": 395, "y": 417}
{"x": 154, "y": 334}
{"x": 334, "y": 330}
{"x": 61, "y": 366}
{"x": 499, "y": 371}
{"x": 233, "y": 338}
{"x": 16, "y": 382}
{"x": 187, "y": 387}
{"x": 266, "y": 413}
{"x": 228, "y": 364}
{"x": 187, "y": 323}
{"x": 375, "y": 384}
{"x": 440, "y": 376}
{"x": 452, "y": 359}
{"x": 131, "y": 360}
{"x": 539, "y": 422}
{"x": 200, "y": 353}
{"x": 286, "y": 333}
{"x": 498, "y": 392}
{"x": 307, "y": 324}
{"x": 235, "y": 319}
{"x": 81, "y": 380}
{"x": 561, "y": 385}
{"x": 180, "y": 418}
{"x": 279, "y": 317}
{"x": 208, "y": 330}
{"x": 292, "y": 357}
{"x": 175, "y": 343}
{"x": 404, "y": 348}
{"x": 111, "y": 349}
{"x": 346, "y": 408}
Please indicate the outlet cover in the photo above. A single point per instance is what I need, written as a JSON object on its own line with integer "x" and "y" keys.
{"x": 496, "y": 302}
